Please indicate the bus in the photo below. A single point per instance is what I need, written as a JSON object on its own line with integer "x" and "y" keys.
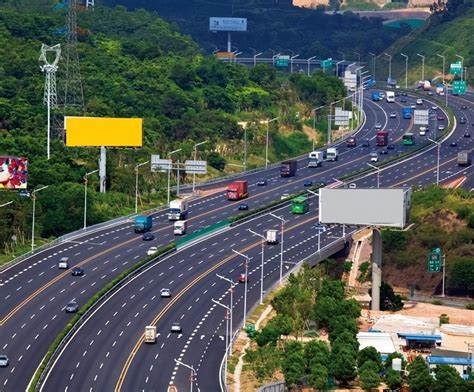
{"x": 300, "y": 205}
{"x": 408, "y": 139}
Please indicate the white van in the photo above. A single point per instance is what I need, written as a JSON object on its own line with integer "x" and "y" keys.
{"x": 180, "y": 227}
{"x": 63, "y": 263}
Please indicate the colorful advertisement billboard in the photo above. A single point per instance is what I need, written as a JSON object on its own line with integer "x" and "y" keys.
{"x": 103, "y": 132}
{"x": 13, "y": 172}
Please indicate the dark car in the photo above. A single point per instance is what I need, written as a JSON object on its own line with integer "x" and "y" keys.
{"x": 77, "y": 271}
{"x": 383, "y": 152}
{"x": 366, "y": 143}
{"x": 321, "y": 184}
{"x": 390, "y": 147}
{"x": 403, "y": 99}
{"x": 453, "y": 144}
{"x": 243, "y": 278}
{"x": 440, "y": 118}
{"x": 404, "y": 94}
{"x": 243, "y": 207}
{"x": 467, "y": 134}
{"x": 72, "y": 307}
{"x": 148, "y": 237}
{"x": 261, "y": 182}
{"x": 462, "y": 120}
{"x": 463, "y": 107}
{"x": 308, "y": 183}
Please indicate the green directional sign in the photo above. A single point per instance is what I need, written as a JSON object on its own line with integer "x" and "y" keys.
{"x": 456, "y": 68}
{"x": 282, "y": 61}
{"x": 325, "y": 64}
{"x": 435, "y": 260}
{"x": 459, "y": 87}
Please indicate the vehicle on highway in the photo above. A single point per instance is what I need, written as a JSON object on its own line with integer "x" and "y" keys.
{"x": 332, "y": 154}
{"x": 390, "y": 96}
{"x": 3, "y": 361}
{"x": 464, "y": 158}
{"x": 237, "y": 190}
{"x": 77, "y": 271}
{"x": 165, "y": 293}
{"x": 243, "y": 278}
{"x": 462, "y": 120}
{"x": 383, "y": 152}
{"x": 300, "y": 205}
{"x": 142, "y": 224}
{"x": 152, "y": 250}
{"x": 148, "y": 237}
{"x": 467, "y": 134}
{"x": 180, "y": 227}
{"x": 316, "y": 158}
{"x": 393, "y": 114}
{"x": 72, "y": 307}
{"x": 176, "y": 327}
{"x": 423, "y": 130}
{"x": 288, "y": 168}
{"x": 351, "y": 142}
{"x": 408, "y": 139}
{"x": 285, "y": 196}
{"x": 440, "y": 117}
{"x": 434, "y": 108}
{"x": 178, "y": 210}
{"x": 413, "y": 106}
{"x": 453, "y": 144}
{"x": 243, "y": 207}
{"x": 382, "y": 94}
{"x": 308, "y": 183}
{"x": 321, "y": 183}
{"x": 463, "y": 107}
{"x": 374, "y": 157}
{"x": 403, "y": 100}
{"x": 406, "y": 113}
{"x": 352, "y": 185}
{"x": 150, "y": 334}
{"x": 430, "y": 92}
{"x": 440, "y": 127}
{"x": 419, "y": 101}
{"x": 261, "y": 182}
{"x": 390, "y": 147}
{"x": 381, "y": 138}
{"x": 366, "y": 143}
{"x": 272, "y": 237}
{"x": 378, "y": 126}
{"x": 63, "y": 263}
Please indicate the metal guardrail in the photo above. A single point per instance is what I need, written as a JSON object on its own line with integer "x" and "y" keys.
{"x": 202, "y": 233}
{"x": 278, "y": 386}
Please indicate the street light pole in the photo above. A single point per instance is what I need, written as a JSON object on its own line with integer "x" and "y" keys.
{"x": 462, "y": 62}
{"x": 337, "y": 67}
{"x": 231, "y": 289}
{"x": 85, "y": 195}
{"x": 378, "y": 174}
{"x": 291, "y": 63}
{"x": 6, "y": 204}
{"x": 169, "y": 173}
{"x": 422, "y": 66}
{"x": 245, "y": 287}
{"x": 358, "y": 54}
{"x": 438, "y": 144}
{"x": 389, "y": 65}
{"x": 266, "y": 143}
{"x": 33, "y": 195}
{"x": 281, "y": 246}
{"x": 136, "y": 184}
{"x": 406, "y": 69}
{"x": 263, "y": 261}
{"x": 444, "y": 63}
{"x": 255, "y": 58}
{"x": 227, "y": 337}
{"x": 373, "y": 64}
{"x": 309, "y": 62}
{"x": 195, "y": 158}
{"x": 193, "y": 373}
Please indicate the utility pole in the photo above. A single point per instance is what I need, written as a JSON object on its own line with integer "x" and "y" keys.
{"x": 406, "y": 69}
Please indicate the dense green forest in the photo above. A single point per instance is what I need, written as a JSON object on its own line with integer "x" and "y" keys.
{"x": 275, "y": 25}
{"x": 134, "y": 64}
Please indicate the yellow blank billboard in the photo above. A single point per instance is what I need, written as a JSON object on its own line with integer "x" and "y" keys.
{"x": 103, "y": 132}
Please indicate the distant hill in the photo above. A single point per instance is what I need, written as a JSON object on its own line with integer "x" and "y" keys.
{"x": 274, "y": 24}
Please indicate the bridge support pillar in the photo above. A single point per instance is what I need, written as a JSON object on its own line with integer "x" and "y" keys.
{"x": 376, "y": 268}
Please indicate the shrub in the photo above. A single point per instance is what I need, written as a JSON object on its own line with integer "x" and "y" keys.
{"x": 443, "y": 319}
{"x": 437, "y": 302}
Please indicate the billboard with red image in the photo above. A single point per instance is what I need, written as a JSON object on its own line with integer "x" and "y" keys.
{"x": 13, "y": 172}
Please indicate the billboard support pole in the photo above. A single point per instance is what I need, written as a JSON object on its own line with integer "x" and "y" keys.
{"x": 376, "y": 268}
{"x": 102, "y": 169}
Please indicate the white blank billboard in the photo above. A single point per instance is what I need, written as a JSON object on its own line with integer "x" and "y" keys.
{"x": 367, "y": 207}
{"x": 227, "y": 24}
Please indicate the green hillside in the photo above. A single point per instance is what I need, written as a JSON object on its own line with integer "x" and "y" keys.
{"x": 447, "y": 35}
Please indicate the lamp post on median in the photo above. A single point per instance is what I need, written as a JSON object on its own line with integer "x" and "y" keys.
{"x": 136, "y": 184}
{"x": 378, "y": 174}
{"x": 337, "y": 67}
{"x": 373, "y": 64}
{"x": 227, "y": 336}
{"x": 291, "y": 62}
{"x": 358, "y": 54}
{"x": 283, "y": 221}
{"x": 309, "y": 64}
{"x": 193, "y": 373}
{"x": 422, "y": 66}
{"x": 195, "y": 158}
{"x": 169, "y": 173}
{"x": 263, "y": 261}
{"x": 266, "y": 142}
{"x": 444, "y": 63}
{"x": 33, "y": 195}
{"x": 247, "y": 259}
{"x": 437, "y": 164}
{"x": 389, "y": 65}
{"x": 406, "y": 69}
{"x": 85, "y": 195}
{"x": 255, "y": 58}
{"x": 231, "y": 290}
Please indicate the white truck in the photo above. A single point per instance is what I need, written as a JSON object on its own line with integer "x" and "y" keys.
{"x": 150, "y": 334}
{"x": 331, "y": 154}
{"x": 272, "y": 237}
{"x": 180, "y": 227}
{"x": 315, "y": 158}
{"x": 178, "y": 210}
{"x": 390, "y": 96}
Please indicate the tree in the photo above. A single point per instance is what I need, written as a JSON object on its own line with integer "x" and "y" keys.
{"x": 346, "y": 339}
{"x": 369, "y": 378}
{"x": 293, "y": 368}
{"x": 342, "y": 324}
{"x": 447, "y": 379}
{"x": 388, "y": 299}
{"x": 216, "y": 161}
{"x": 393, "y": 379}
{"x": 263, "y": 361}
{"x": 316, "y": 352}
{"x": 369, "y": 354}
{"x": 342, "y": 364}
{"x": 318, "y": 376}
{"x": 419, "y": 377}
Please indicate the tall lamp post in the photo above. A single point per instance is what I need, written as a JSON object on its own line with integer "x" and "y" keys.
{"x": 283, "y": 221}
{"x": 422, "y": 66}
{"x": 462, "y": 69}
{"x": 255, "y": 58}
{"x": 378, "y": 173}
{"x": 195, "y": 158}
{"x": 437, "y": 163}
{"x": 406, "y": 69}
{"x": 291, "y": 62}
{"x": 247, "y": 259}
{"x": 358, "y": 54}
{"x": 169, "y": 173}
{"x": 33, "y": 195}
{"x": 85, "y": 195}
{"x": 262, "y": 263}
{"x": 231, "y": 290}
{"x": 136, "y": 184}
{"x": 337, "y": 67}
{"x": 389, "y": 65}
{"x": 266, "y": 142}
{"x": 444, "y": 64}
{"x": 309, "y": 64}
{"x": 373, "y": 64}
{"x": 227, "y": 337}
{"x": 314, "y": 110}
{"x": 193, "y": 373}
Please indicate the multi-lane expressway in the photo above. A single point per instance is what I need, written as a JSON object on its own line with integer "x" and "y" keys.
{"x": 34, "y": 293}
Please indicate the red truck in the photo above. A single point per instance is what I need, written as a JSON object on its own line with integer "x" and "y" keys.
{"x": 351, "y": 142}
{"x": 382, "y": 138}
{"x": 237, "y": 190}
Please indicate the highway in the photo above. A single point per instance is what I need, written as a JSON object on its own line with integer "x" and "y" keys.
{"x": 35, "y": 293}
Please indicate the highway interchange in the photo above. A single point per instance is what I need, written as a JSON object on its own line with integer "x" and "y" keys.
{"x": 106, "y": 353}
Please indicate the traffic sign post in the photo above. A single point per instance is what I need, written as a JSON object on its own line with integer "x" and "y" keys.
{"x": 195, "y": 167}
{"x": 421, "y": 117}
{"x": 456, "y": 68}
{"x": 160, "y": 165}
{"x": 326, "y": 64}
{"x": 436, "y": 263}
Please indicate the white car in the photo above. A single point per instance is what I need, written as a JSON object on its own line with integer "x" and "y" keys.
{"x": 413, "y": 106}
{"x": 423, "y": 130}
{"x": 165, "y": 293}
{"x": 419, "y": 101}
{"x": 434, "y": 108}
{"x": 176, "y": 327}
{"x": 285, "y": 196}
{"x": 352, "y": 185}
{"x": 441, "y": 127}
{"x": 152, "y": 250}
{"x": 3, "y": 361}
{"x": 374, "y": 157}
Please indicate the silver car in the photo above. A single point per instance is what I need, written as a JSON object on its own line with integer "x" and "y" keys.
{"x": 165, "y": 293}
{"x": 72, "y": 307}
{"x": 176, "y": 327}
{"x": 3, "y": 361}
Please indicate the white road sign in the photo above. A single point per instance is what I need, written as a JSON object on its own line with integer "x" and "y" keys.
{"x": 160, "y": 165}
{"x": 227, "y": 24}
{"x": 421, "y": 117}
{"x": 195, "y": 167}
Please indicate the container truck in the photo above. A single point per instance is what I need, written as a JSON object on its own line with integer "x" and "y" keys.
{"x": 178, "y": 210}
{"x": 180, "y": 227}
{"x": 237, "y": 190}
{"x": 142, "y": 224}
{"x": 150, "y": 334}
{"x": 375, "y": 96}
{"x": 351, "y": 142}
{"x": 315, "y": 158}
{"x": 272, "y": 237}
{"x": 288, "y": 168}
{"x": 382, "y": 138}
{"x": 407, "y": 113}
{"x": 331, "y": 154}
{"x": 464, "y": 158}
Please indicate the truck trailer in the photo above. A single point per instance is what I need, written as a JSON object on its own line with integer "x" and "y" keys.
{"x": 464, "y": 158}
{"x": 332, "y": 154}
{"x": 382, "y": 138}
{"x": 272, "y": 237}
{"x": 178, "y": 210}
{"x": 142, "y": 224}
{"x": 237, "y": 190}
{"x": 288, "y": 168}
{"x": 315, "y": 158}
{"x": 150, "y": 334}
